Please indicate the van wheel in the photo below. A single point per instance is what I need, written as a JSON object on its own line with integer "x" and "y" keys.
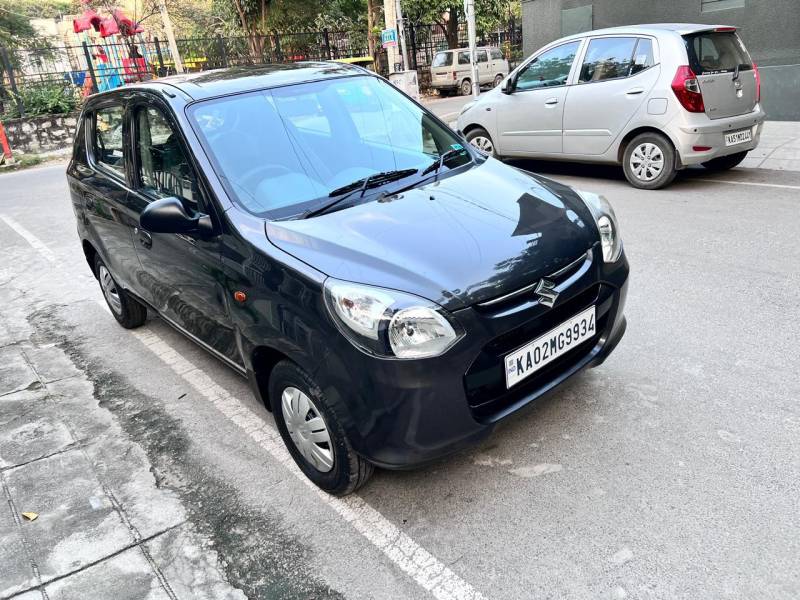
{"x": 466, "y": 87}
{"x": 129, "y": 312}
{"x": 481, "y": 140}
{"x": 723, "y": 163}
{"x": 498, "y": 79}
{"x": 649, "y": 161}
{"x": 313, "y": 433}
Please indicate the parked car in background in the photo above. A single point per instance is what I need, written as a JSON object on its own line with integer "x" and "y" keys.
{"x": 654, "y": 98}
{"x": 390, "y": 293}
{"x": 451, "y": 70}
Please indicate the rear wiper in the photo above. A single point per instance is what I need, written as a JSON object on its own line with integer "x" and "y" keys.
{"x": 362, "y": 185}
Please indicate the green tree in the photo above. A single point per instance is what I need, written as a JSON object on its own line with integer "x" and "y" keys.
{"x": 449, "y": 14}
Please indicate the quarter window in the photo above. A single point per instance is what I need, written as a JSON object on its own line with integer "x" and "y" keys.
{"x": 164, "y": 169}
{"x": 608, "y": 58}
{"x": 643, "y": 56}
{"x": 108, "y": 138}
{"x": 443, "y": 59}
{"x": 548, "y": 69}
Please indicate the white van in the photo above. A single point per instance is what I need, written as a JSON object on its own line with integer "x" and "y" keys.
{"x": 451, "y": 70}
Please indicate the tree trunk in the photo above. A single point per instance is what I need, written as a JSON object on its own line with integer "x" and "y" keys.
{"x": 451, "y": 30}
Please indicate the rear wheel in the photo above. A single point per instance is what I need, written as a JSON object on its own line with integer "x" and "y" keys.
{"x": 649, "y": 161}
{"x": 129, "y": 312}
{"x": 466, "y": 87}
{"x": 481, "y": 139}
{"x": 723, "y": 163}
{"x": 497, "y": 80}
{"x": 313, "y": 433}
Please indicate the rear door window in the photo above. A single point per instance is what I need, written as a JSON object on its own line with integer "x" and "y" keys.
{"x": 482, "y": 58}
{"x": 716, "y": 52}
{"x": 496, "y": 54}
{"x": 108, "y": 143}
{"x": 463, "y": 58}
{"x": 442, "y": 59}
{"x": 608, "y": 58}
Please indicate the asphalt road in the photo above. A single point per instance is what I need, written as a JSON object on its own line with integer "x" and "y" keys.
{"x": 673, "y": 471}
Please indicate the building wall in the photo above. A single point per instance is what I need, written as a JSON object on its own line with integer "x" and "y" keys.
{"x": 770, "y": 30}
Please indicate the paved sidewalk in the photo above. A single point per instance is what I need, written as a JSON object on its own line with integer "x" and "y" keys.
{"x": 104, "y": 528}
{"x": 778, "y": 150}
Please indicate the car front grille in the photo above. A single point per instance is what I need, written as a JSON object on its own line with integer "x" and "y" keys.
{"x": 484, "y": 381}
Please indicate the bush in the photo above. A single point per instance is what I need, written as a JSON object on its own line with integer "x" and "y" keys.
{"x": 44, "y": 99}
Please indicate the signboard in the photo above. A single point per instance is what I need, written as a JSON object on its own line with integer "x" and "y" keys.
{"x": 389, "y": 38}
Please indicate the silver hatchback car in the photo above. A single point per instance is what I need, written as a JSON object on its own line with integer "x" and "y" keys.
{"x": 654, "y": 98}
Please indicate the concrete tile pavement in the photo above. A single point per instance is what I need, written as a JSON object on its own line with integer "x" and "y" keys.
{"x": 105, "y": 529}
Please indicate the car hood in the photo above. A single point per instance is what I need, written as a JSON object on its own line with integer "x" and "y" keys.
{"x": 464, "y": 239}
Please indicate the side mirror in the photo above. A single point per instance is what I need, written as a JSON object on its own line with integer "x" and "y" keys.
{"x": 507, "y": 87}
{"x": 167, "y": 215}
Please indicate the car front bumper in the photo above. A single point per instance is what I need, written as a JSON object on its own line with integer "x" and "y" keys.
{"x": 401, "y": 414}
{"x": 700, "y": 131}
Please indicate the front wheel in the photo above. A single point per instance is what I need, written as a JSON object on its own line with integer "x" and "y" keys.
{"x": 498, "y": 79}
{"x": 313, "y": 433}
{"x": 723, "y": 163}
{"x": 649, "y": 161}
{"x": 481, "y": 140}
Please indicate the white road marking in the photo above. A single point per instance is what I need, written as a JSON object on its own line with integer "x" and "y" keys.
{"x": 771, "y": 185}
{"x": 30, "y": 238}
{"x": 424, "y": 568}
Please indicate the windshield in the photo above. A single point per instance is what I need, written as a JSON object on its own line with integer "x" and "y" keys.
{"x": 283, "y": 151}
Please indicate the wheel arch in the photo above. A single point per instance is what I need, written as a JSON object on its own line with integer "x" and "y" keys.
{"x": 90, "y": 252}
{"x": 626, "y": 139}
{"x": 262, "y": 362}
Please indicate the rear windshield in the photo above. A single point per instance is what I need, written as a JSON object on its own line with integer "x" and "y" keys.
{"x": 716, "y": 52}
{"x": 443, "y": 59}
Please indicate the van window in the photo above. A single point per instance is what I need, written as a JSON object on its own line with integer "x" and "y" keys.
{"x": 716, "y": 52}
{"x": 549, "y": 69}
{"x": 463, "y": 58}
{"x": 442, "y": 59}
{"x": 496, "y": 54}
{"x": 108, "y": 138}
{"x": 607, "y": 58}
{"x": 482, "y": 56}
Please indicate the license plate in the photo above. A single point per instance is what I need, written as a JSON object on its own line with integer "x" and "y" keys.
{"x": 548, "y": 347}
{"x": 738, "y": 137}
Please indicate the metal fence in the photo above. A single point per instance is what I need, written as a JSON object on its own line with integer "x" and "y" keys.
{"x": 44, "y": 79}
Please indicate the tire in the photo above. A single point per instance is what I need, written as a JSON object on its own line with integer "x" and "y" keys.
{"x": 129, "y": 312}
{"x": 649, "y": 161}
{"x": 465, "y": 89}
{"x": 723, "y": 163}
{"x": 481, "y": 140}
{"x": 497, "y": 80}
{"x": 333, "y": 466}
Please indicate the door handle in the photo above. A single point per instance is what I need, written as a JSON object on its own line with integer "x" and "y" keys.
{"x": 634, "y": 91}
{"x": 551, "y": 101}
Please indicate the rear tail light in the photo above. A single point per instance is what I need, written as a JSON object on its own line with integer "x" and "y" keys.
{"x": 455, "y": 76}
{"x": 687, "y": 90}
{"x": 757, "y": 75}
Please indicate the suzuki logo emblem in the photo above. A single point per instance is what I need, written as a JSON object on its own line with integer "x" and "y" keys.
{"x": 546, "y": 290}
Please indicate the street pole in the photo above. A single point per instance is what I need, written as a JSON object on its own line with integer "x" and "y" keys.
{"x": 173, "y": 47}
{"x": 469, "y": 9}
{"x": 389, "y": 14}
{"x": 401, "y": 33}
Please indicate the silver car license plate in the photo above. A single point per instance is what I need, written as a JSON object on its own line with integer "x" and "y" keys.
{"x": 738, "y": 137}
{"x": 546, "y": 348}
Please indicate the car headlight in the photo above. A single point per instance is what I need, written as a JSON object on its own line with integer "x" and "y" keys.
{"x": 389, "y": 323}
{"x": 607, "y": 225}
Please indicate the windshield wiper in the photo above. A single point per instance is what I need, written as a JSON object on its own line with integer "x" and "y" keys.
{"x": 361, "y": 185}
{"x": 437, "y": 166}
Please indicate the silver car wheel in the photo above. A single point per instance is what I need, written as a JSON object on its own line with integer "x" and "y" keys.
{"x": 647, "y": 161}
{"x": 109, "y": 287}
{"x": 307, "y": 428}
{"x": 483, "y": 144}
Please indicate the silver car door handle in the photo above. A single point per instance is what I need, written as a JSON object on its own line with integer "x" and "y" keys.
{"x": 634, "y": 91}
{"x": 551, "y": 101}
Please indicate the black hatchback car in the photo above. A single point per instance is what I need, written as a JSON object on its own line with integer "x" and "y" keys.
{"x": 389, "y": 292}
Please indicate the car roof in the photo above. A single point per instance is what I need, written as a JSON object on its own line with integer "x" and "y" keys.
{"x": 654, "y": 29}
{"x": 465, "y": 48}
{"x": 220, "y": 82}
